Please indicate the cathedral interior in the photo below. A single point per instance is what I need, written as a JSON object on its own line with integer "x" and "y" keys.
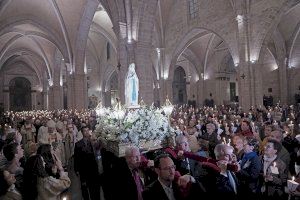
{"x": 64, "y": 54}
{"x": 62, "y": 57}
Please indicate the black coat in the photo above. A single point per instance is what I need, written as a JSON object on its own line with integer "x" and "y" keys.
{"x": 125, "y": 186}
{"x": 85, "y": 161}
{"x": 155, "y": 191}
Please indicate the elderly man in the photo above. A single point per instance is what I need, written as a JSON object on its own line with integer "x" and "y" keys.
{"x": 226, "y": 181}
{"x": 184, "y": 165}
{"x": 128, "y": 180}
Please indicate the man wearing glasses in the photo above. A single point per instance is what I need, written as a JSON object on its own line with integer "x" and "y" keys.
{"x": 165, "y": 187}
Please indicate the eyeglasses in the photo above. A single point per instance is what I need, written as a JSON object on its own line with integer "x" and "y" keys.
{"x": 173, "y": 167}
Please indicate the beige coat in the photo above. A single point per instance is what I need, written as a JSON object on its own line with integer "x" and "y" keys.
{"x": 11, "y": 196}
{"x": 50, "y": 188}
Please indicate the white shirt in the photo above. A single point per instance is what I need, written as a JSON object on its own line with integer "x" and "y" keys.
{"x": 168, "y": 190}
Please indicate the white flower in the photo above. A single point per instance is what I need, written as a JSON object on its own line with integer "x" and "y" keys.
{"x": 138, "y": 125}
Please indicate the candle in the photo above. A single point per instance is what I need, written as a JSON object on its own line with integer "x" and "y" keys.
{"x": 224, "y": 140}
{"x": 229, "y": 141}
{"x": 293, "y": 178}
{"x": 274, "y": 164}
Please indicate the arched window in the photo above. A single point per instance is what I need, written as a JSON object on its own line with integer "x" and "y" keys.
{"x": 179, "y": 86}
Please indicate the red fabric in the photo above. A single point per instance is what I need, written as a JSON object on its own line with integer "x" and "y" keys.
{"x": 247, "y": 133}
{"x": 190, "y": 155}
{"x": 144, "y": 162}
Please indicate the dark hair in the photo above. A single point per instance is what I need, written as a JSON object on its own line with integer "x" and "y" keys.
{"x": 44, "y": 150}
{"x": 277, "y": 145}
{"x": 2, "y": 143}
{"x": 10, "y": 150}
{"x": 32, "y": 171}
{"x": 11, "y": 136}
{"x": 83, "y": 127}
{"x": 157, "y": 159}
{"x": 4, "y": 185}
{"x": 251, "y": 141}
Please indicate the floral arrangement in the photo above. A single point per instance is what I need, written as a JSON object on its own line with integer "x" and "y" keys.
{"x": 138, "y": 126}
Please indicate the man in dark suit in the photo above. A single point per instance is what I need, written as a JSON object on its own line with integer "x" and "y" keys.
{"x": 226, "y": 181}
{"x": 127, "y": 176}
{"x": 86, "y": 167}
{"x": 165, "y": 187}
{"x": 184, "y": 165}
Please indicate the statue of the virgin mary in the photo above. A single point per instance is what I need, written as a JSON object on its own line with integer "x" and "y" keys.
{"x": 131, "y": 88}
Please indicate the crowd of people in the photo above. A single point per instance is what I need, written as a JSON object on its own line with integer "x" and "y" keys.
{"x": 217, "y": 151}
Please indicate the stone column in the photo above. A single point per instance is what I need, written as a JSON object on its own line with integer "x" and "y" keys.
{"x": 200, "y": 93}
{"x": 6, "y": 102}
{"x": 79, "y": 91}
{"x": 245, "y": 73}
{"x": 55, "y": 97}
{"x": 45, "y": 98}
{"x": 257, "y": 79}
{"x": 122, "y": 69}
{"x": 69, "y": 86}
{"x": 33, "y": 98}
{"x": 283, "y": 66}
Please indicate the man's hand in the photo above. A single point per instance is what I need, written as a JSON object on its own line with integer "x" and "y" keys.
{"x": 150, "y": 163}
{"x": 222, "y": 164}
{"x": 180, "y": 154}
{"x": 184, "y": 180}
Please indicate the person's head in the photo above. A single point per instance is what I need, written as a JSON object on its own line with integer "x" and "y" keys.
{"x": 182, "y": 143}
{"x": 168, "y": 141}
{"x": 223, "y": 152}
{"x": 245, "y": 125}
{"x": 272, "y": 148}
{"x": 27, "y": 123}
{"x": 165, "y": 168}
{"x": 192, "y": 122}
{"x": 267, "y": 130}
{"x": 251, "y": 144}
{"x": 85, "y": 132}
{"x": 59, "y": 127}
{"x": 51, "y": 126}
{"x": 276, "y": 135}
{"x": 37, "y": 122}
{"x": 6, "y": 180}
{"x": 13, "y": 136}
{"x": 238, "y": 142}
{"x": 133, "y": 157}
{"x": 210, "y": 128}
{"x": 13, "y": 151}
{"x": 10, "y": 178}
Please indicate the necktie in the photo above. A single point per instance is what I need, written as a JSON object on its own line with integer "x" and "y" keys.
{"x": 232, "y": 181}
{"x": 138, "y": 183}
